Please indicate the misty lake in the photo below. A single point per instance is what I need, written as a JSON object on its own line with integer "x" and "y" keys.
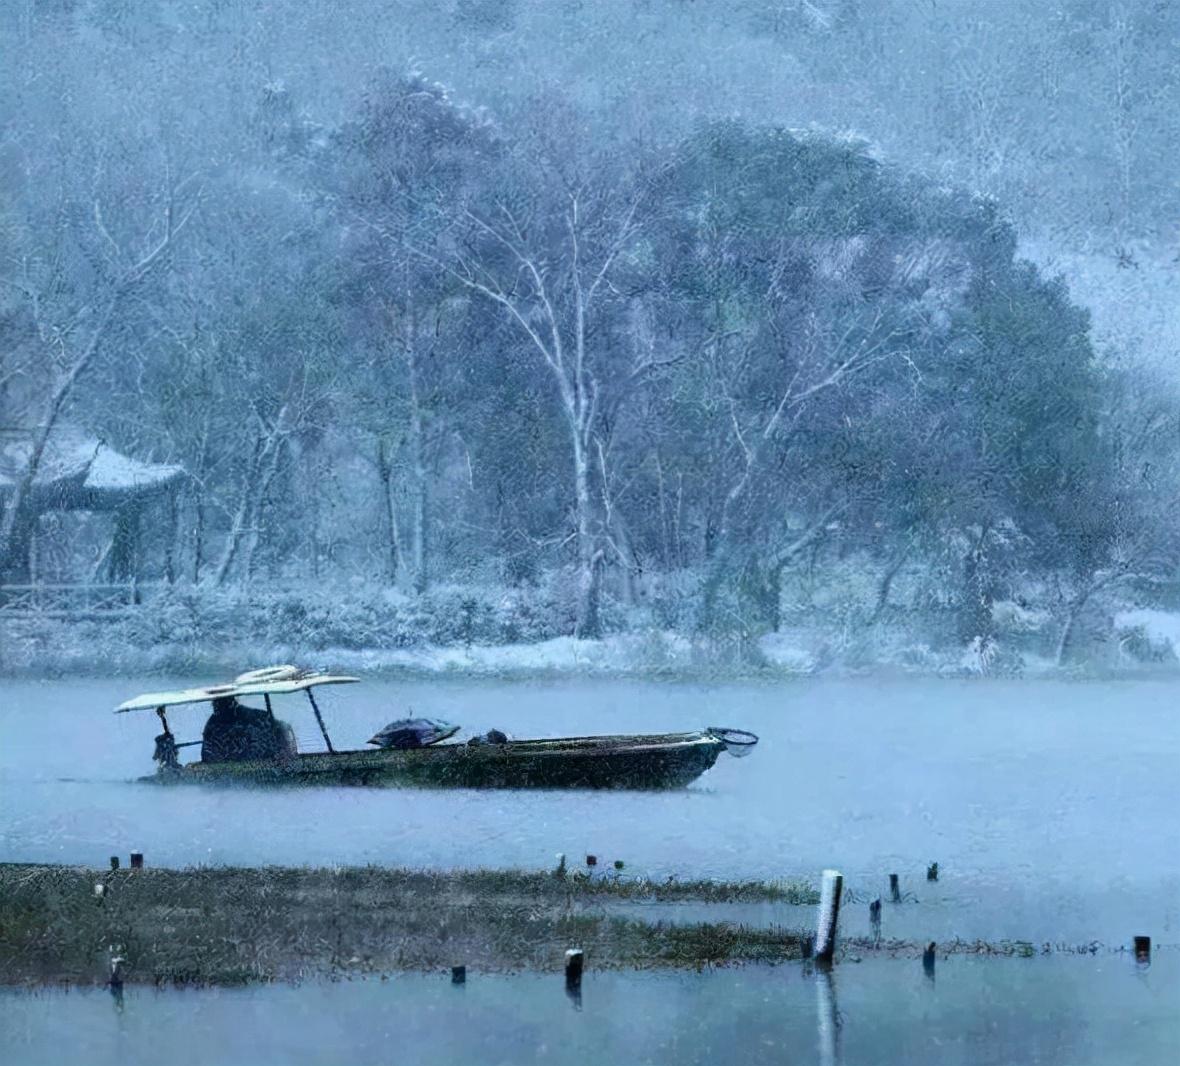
{"x": 1049, "y": 806}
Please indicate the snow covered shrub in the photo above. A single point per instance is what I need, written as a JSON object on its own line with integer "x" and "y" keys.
{"x": 282, "y": 618}
{"x": 1013, "y": 617}
{"x": 527, "y": 615}
{"x": 917, "y": 657}
{"x": 349, "y": 621}
{"x": 986, "y": 657}
{"x": 654, "y": 651}
{"x": 557, "y": 592}
{"x": 674, "y": 600}
{"x": 450, "y": 615}
{"x": 1147, "y": 636}
{"x": 844, "y": 588}
{"x": 172, "y": 618}
{"x": 788, "y": 653}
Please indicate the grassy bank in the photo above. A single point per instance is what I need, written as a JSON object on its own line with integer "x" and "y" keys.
{"x": 231, "y": 926}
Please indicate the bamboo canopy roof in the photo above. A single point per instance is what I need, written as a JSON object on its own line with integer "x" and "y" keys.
{"x": 271, "y": 681}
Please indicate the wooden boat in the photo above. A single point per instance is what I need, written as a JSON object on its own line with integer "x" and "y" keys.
{"x": 644, "y": 761}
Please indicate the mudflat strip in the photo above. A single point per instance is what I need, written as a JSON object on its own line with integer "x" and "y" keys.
{"x": 223, "y": 925}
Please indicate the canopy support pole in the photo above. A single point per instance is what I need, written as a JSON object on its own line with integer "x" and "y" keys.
{"x": 320, "y": 718}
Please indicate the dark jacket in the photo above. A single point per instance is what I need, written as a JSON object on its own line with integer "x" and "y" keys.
{"x": 235, "y": 732}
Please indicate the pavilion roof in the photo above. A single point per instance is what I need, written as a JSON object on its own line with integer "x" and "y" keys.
{"x": 82, "y": 471}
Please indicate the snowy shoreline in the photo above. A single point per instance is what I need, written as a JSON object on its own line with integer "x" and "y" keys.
{"x": 480, "y": 634}
{"x": 655, "y": 655}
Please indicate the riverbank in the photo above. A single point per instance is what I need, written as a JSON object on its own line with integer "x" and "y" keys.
{"x": 230, "y": 926}
{"x": 488, "y": 632}
{"x": 103, "y": 648}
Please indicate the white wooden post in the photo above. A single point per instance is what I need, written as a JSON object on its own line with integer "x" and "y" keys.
{"x": 831, "y": 889}
{"x": 116, "y": 979}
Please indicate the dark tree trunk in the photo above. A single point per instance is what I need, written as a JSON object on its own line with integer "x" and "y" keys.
{"x": 121, "y": 564}
{"x": 17, "y": 564}
{"x": 170, "y": 545}
{"x": 198, "y": 535}
{"x": 975, "y": 616}
{"x": 887, "y": 584}
{"x": 385, "y": 474}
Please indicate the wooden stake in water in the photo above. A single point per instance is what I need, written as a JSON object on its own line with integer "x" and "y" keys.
{"x": 831, "y": 889}
{"x": 574, "y": 959}
{"x": 894, "y": 889}
{"x": 116, "y": 978}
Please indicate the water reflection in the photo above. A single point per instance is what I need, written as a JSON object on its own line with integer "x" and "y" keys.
{"x": 115, "y": 981}
{"x": 928, "y": 957}
{"x": 828, "y": 1019}
{"x": 573, "y": 991}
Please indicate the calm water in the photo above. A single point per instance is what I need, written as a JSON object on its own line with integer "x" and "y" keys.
{"x": 1051, "y": 1011}
{"x": 1051, "y": 807}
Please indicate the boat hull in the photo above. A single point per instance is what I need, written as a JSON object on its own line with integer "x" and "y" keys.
{"x": 642, "y": 762}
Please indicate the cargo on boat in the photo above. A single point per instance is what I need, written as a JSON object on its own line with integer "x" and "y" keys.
{"x": 243, "y": 745}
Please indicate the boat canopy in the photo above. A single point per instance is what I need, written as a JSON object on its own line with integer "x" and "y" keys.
{"x": 271, "y": 681}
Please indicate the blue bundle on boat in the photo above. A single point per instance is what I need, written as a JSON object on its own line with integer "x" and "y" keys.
{"x": 413, "y": 733}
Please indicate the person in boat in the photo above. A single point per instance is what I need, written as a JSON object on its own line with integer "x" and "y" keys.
{"x": 235, "y": 732}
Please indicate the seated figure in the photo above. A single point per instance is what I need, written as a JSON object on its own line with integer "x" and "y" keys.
{"x": 235, "y": 732}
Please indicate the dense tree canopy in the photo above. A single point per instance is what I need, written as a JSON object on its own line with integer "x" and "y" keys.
{"x": 428, "y": 343}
